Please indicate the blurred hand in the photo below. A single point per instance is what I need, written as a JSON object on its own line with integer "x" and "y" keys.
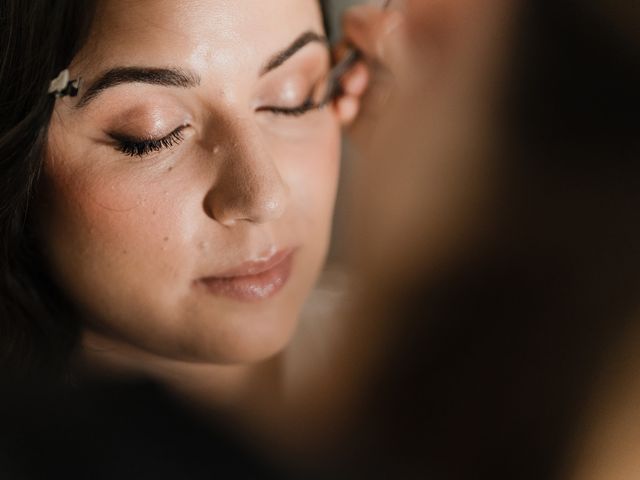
{"x": 382, "y": 39}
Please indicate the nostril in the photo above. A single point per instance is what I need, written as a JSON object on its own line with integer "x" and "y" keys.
{"x": 229, "y": 206}
{"x": 248, "y": 187}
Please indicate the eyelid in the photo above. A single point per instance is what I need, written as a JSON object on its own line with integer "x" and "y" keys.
{"x": 305, "y": 107}
{"x": 298, "y": 111}
{"x": 140, "y": 147}
{"x": 124, "y": 137}
{"x": 290, "y": 87}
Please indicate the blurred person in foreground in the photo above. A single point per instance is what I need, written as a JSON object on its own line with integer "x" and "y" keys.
{"x": 497, "y": 239}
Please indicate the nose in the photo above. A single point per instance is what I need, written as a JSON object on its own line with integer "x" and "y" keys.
{"x": 248, "y": 187}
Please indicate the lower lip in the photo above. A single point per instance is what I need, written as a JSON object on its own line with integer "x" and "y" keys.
{"x": 252, "y": 288}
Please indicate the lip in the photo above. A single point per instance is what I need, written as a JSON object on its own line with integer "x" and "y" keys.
{"x": 254, "y": 280}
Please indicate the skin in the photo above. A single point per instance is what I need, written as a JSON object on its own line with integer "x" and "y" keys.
{"x": 127, "y": 236}
{"x": 446, "y": 60}
{"x": 437, "y": 71}
{"x": 606, "y": 446}
{"x": 423, "y": 181}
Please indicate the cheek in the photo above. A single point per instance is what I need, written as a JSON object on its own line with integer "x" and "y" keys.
{"x": 310, "y": 168}
{"x": 109, "y": 230}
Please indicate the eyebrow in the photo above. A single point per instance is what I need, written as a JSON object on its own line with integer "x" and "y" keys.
{"x": 165, "y": 77}
{"x": 302, "y": 41}
{"x": 176, "y": 77}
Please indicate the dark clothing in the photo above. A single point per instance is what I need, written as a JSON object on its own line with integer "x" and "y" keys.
{"x": 117, "y": 431}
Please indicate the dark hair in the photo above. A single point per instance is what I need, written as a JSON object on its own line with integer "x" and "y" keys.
{"x": 39, "y": 38}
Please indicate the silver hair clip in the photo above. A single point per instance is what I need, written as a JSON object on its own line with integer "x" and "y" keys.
{"x": 62, "y": 86}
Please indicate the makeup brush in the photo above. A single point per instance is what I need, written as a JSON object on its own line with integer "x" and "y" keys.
{"x": 332, "y": 86}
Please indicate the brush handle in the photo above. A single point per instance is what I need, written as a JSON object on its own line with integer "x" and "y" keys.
{"x": 351, "y": 57}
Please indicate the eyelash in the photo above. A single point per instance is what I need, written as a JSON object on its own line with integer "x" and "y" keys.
{"x": 307, "y": 106}
{"x": 133, "y": 147}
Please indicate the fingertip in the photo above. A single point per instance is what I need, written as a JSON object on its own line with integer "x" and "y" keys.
{"x": 356, "y": 81}
{"x": 347, "y": 108}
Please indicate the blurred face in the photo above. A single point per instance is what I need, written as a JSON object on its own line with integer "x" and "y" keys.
{"x": 188, "y": 189}
{"x": 427, "y": 179}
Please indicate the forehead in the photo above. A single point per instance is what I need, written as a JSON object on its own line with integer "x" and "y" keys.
{"x": 219, "y": 34}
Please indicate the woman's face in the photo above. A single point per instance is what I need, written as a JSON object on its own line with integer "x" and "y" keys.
{"x": 188, "y": 192}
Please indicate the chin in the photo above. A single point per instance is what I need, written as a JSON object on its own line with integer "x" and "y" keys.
{"x": 232, "y": 332}
{"x": 202, "y": 327}
{"x": 246, "y": 339}
{"x": 246, "y": 353}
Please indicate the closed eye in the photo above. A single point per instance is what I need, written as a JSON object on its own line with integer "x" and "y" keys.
{"x": 307, "y": 106}
{"x": 139, "y": 147}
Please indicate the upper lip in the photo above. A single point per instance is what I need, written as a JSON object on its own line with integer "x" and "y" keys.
{"x": 254, "y": 267}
